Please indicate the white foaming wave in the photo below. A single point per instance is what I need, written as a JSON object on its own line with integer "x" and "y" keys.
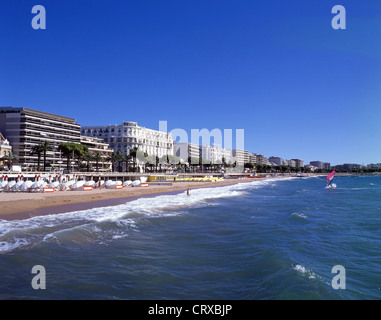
{"x": 172, "y": 204}
{"x": 302, "y": 270}
{"x": 299, "y": 215}
{"x": 168, "y": 205}
{"x": 23, "y": 233}
{"x": 13, "y": 243}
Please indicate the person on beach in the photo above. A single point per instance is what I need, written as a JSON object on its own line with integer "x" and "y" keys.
{"x": 188, "y": 192}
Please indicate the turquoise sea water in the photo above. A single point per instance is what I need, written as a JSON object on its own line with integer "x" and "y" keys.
{"x": 274, "y": 239}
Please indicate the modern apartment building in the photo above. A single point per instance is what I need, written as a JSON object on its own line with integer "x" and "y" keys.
{"x": 298, "y": 163}
{"x": 278, "y": 161}
{"x": 321, "y": 165}
{"x": 184, "y": 150}
{"x": 25, "y": 128}
{"x": 374, "y": 166}
{"x": 256, "y": 158}
{"x": 129, "y": 135}
{"x": 291, "y": 163}
{"x": 97, "y": 145}
{"x": 241, "y": 156}
{"x": 215, "y": 154}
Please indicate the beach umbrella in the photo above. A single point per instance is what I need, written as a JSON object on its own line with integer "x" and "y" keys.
{"x": 109, "y": 184}
{"x": 99, "y": 183}
{"x": 9, "y": 185}
{"x": 37, "y": 184}
{"x": 127, "y": 183}
{"x": 4, "y": 182}
{"x": 78, "y": 185}
{"x": 25, "y": 185}
{"x": 136, "y": 183}
{"x": 17, "y": 185}
{"x": 67, "y": 183}
{"x": 54, "y": 184}
{"x": 91, "y": 182}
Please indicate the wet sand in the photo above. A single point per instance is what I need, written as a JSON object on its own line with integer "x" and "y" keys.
{"x": 23, "y": 205}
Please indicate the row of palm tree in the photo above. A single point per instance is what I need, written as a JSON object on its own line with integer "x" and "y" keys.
{"x": 39, "y": 149}
{"x": 119, "y": 158}
{"x": 155, "y": 164}
{"x": 77, "y": 151}
{"x": 69, "y": 150}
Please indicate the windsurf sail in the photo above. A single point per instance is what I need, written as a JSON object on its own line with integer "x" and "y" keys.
{"x": 330, "y": 177}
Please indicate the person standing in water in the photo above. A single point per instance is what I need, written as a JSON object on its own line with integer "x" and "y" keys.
{"x": 188, "y": 192}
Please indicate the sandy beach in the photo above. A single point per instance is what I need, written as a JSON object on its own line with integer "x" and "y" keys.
{"x": 23, "y": 205}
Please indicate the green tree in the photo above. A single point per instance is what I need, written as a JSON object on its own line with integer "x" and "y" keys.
{"x": 70, "y": 150}
{"x": 37, "y": 150}
{"x": 97, "y": 157}
{"x": 133, "y": 154}
{"x": 114, "y": 158}
{"x": 88, "y": 157}
{"x": 9, "y": 159}
{"x": 120, "y": 159}
{"x": 45, "y": 147}
{"x": 67, "y": 149}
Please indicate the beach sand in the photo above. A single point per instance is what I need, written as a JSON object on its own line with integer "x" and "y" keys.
{"x": 23, "y": 205}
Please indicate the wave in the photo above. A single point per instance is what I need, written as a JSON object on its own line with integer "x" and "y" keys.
{"x": 298, "y": 215}
{"x": 305, "y": 272}
{"x": 113, "y": 222}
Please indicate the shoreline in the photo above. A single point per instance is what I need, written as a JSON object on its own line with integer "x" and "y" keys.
{"x": 19, "y": 206}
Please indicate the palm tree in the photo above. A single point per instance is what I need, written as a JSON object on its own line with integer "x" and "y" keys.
{"x": 119, "y": 159}
{"x": 88, "y": 157}
{"x": 80, "y": 150}
{"x": 37, "y": 150}
{"x": 45, "y": 146}
{"x": 259, "y": 167}
{"x": 70, "y": 149}
{"x": 9, "y": 158}
{"x": 114, "y": 158}
{"x": 67, "y": 148}
{"x": 126, "y": 159}
{"x": 133, "y": 154}
{"x": 97, "y": 157}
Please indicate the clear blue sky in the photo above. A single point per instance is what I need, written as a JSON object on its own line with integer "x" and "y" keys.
{"x": 274, "y": 68}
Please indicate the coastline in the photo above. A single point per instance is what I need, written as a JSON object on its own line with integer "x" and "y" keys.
{"x": 18, "y": 206}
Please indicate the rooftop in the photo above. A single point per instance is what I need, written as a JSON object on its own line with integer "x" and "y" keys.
{"x": 36, "y": 113}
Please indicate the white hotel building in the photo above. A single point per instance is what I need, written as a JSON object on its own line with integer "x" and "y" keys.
{"x": 129, "y": 135}
{"x": 215, "y": 154}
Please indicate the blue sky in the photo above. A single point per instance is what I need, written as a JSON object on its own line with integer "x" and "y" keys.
{"x": 276, "y": 69}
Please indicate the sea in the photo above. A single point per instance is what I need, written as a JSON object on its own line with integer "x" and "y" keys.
{"x": 275, "y": 239}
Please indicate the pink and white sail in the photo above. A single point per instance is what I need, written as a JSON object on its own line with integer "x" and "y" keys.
{"x": 330, "y": 177}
